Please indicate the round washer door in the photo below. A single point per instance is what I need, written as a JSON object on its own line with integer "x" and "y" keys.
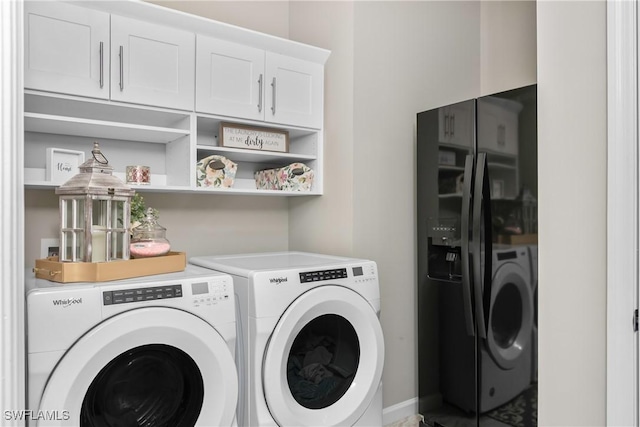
{"x": 339, "y": 334}
{"x": 511, "y": 315}
{"x": 148, "y": 366}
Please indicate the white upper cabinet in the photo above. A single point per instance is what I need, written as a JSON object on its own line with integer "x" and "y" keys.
{"x": 294, "y": 91}
{"x": 236, "y": 80}
{"x": 455, "y": 123}
{"x": 80, "y": 51}
{"x": 229, "y": 79}
{"x": 151, "y": 64}
{"x": 66, "y": 49}
{"x": 498, "y": 125}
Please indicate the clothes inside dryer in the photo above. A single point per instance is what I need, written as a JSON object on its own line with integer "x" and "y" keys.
{"x": 150, "y": 385}
{"x": 323, "y": 361}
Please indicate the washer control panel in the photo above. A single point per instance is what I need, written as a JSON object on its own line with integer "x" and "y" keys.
{"x": 141, "y": 294}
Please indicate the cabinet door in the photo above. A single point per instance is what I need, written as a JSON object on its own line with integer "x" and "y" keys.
{"x": 497, "y": 128}
{"x": 293, "y": 92}
{"x": 151, "y": 64}
{"x": 229, "y": 79}
{"x": 66, "y": 49}
{"x": 455, "y": 123}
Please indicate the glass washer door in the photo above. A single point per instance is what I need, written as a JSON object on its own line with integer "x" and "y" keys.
{"x": 511, "y": 318}
{"x": 341, "y": 306}
{"x": 72, "y": 377}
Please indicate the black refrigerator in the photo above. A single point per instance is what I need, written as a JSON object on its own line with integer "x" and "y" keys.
{"x": 477, "y": 260}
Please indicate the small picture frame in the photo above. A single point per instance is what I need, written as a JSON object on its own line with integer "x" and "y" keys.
{"x": 62, "y": 164}
{"x": 49, "y": 247}
{"x": 497, "y": 189}
{"x": 253, "y": 138}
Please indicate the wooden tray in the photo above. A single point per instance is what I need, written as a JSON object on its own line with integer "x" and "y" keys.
{"x": 517, "y": 239}
{"x": 68, "y": 272}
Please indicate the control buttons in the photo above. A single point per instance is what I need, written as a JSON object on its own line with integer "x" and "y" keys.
{"x": 316, "y": 276}
{"x": 220, "y": 291}
{"x": 212, "y": 300}
{"x": 141, "y": 294}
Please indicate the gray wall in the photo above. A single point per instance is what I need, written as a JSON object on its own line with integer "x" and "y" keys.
{"x": 196, "y": 224}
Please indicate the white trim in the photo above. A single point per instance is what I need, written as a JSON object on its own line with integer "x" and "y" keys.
{"x": 399, "y": 411}
{"x": 12, "y": 365}
{"x": 622, "y": 214}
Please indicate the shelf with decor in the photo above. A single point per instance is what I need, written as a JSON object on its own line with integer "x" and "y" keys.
{"x": 303, "y": 147}
{"x": 169, "y": 142}
{"x": 155, "y": 137}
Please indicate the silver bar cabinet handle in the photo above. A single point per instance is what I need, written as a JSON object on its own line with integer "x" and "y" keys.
{"x": 121, "y": 68}
{"x": 273, "y": 100}
{"x": 446, "y": 125}
{"x": 452, "y": 126}
{"x": 260, "y": 94}
{"x": 101, "y": 64}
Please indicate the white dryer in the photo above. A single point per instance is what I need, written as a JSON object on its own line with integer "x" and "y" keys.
{"x": 312, "y": 349}
{"x": 152, "y": 351}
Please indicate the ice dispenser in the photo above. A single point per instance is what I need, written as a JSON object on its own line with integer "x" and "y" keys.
{"x": 444, "y": 248}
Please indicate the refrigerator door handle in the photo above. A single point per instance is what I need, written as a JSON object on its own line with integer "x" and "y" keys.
{"x": 482, "y": 277}
{"x": 464, "y": 233}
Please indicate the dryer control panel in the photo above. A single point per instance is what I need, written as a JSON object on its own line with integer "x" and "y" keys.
{"x": 141, "y": 294}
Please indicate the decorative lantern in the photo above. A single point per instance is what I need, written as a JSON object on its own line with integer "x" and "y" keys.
{"x": 94, "y": 213}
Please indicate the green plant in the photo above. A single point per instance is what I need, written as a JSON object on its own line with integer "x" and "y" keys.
{"x": 138, "y": 208}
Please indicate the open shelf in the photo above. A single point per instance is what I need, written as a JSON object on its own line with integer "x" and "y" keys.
{"x": 62, "y": 125}
{"x": 169, "y": 142}
{"x": 75, "y": 116}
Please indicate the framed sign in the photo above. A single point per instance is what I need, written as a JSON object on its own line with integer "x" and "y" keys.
{"x": 498, "y": 189}
{"x": 253, "y": 138}
{"x": 62, "y": 164}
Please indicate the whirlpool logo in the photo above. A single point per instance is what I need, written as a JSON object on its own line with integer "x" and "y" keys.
{"x": 68, "y": 302}
{"x": 278, "y": 280}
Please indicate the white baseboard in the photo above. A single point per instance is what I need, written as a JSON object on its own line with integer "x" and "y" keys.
{"x": 399, "y": 411}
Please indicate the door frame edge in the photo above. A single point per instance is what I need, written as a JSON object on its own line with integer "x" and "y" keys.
{"x": 622, "y": 227}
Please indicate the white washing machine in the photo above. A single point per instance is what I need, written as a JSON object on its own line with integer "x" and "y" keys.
{"x": 312, "y": 349}
{"x": 152, "y": 351}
